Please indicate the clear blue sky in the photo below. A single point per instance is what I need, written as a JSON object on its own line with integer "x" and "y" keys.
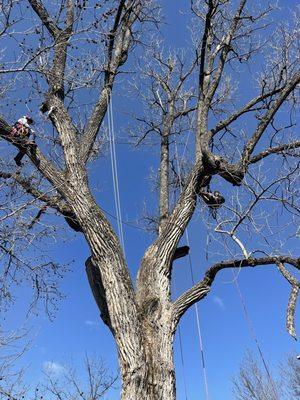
{"x": 77, "y": 328}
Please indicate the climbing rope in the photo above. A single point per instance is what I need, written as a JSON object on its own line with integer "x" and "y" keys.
{"x": 182, "y": 363}
{"x": 251, "y": 329}
{"x": 199, "y": 332}
{"x": 254, "y": 336}
{"x": 181, "y": 357}
{"x": 198, "y": 325}
{"x": 114, "y": 169}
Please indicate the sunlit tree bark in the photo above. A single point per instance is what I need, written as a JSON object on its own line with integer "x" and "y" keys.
{"x": 194, "y": 95}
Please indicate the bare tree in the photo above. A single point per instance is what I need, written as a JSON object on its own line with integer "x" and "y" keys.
{"x": 62, "y": 382}
{"x": 253, "y": 383}
{"x": 69, "y": 58}
{"x": 291, "y": 376}
{"x": 12, "y": 347}
{"x": 93, "y": 384}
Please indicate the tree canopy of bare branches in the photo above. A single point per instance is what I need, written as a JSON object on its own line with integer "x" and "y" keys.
{"x": 63, "y": 382}
{"x": 228, "y": 101}
{"x": 253, "y": 383}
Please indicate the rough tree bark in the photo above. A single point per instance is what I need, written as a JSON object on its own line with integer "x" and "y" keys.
{"x": 143, "y": 318}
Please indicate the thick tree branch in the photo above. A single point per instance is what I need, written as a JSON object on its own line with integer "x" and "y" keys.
{"x": 120, "y": 40}
{"x": 164, "y": 178}
{"x": 55, "y": 177}
{"x": 52, "y": 201}
{"x": 112, "y": 33}
{"x": 56, "y": 75}
{"x": 44, "y": 16}
{"x": 205, "y": 76}
{"x": 201, "y": 289}
{"x": 55, "y": 202}
{"x": 205, "y": 39}
{"x": 180, "y": 216}
{"x": 290, "y": 313}
{"x": 210, "y": 78}
{"x": 246, "y": 108}
{"x": 165, "y": 245}
{"x": 274, "y": 150}
{"x": 56, "y": 80}
{"x": 287, "y": 275}
{"x": 234, "y": 173}
{"x": 226, "y": 48}
{"x": 63, "y": 123}
{"x": 167, "y": 124}
{"x": 267, "y": 118}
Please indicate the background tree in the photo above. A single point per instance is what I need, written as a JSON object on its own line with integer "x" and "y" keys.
{"x": 60, "y": 382}
{"x": 253, "y": 383}
{"x": 12, "y": 347}
{"x": 67, "y": 59}
{"x": 93, "y": 384}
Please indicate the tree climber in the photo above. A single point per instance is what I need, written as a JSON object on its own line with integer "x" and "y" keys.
{"x": 20, "y": 133}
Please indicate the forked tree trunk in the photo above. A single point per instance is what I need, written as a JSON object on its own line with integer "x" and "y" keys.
{"x": 141, "y": 320}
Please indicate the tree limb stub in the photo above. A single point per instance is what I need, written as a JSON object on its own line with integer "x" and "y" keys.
{"x": 72, "y": 221}
{"x": 95, "y": 281}
{"x": 181, "y": 252}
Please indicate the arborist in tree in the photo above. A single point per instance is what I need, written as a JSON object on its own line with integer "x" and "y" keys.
{"x": 20, "y": 133}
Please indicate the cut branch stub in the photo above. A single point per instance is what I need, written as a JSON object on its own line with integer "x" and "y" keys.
{"x": 95, "y": 281}
{"x": 181, "y": 252}
{"x": 72, "y": 221}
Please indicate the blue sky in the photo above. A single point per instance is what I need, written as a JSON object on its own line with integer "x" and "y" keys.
{"x": 77, "y": 329}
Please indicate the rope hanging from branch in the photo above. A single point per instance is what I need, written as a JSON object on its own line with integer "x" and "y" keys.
{"x": 254, "y": 337}
{"x": 199, "y": 332}
{"x": 114, "y": 169}
{"x": 245, "y": 310}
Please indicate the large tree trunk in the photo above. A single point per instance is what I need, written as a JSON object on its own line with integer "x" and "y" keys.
{"x": 156, "y": 378}
{"x": 142, "y": 321}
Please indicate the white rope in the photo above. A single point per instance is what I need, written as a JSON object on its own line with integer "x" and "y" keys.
{"x": 181, "y": 356}
{"x": 114, "y": 169}
{"x": 247, "y": 317}
{"x": 182, "y": 363}
{"x": 116, "y": 173}
{"x": 193, "y": 282}
{"x": 255, "y": 337}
